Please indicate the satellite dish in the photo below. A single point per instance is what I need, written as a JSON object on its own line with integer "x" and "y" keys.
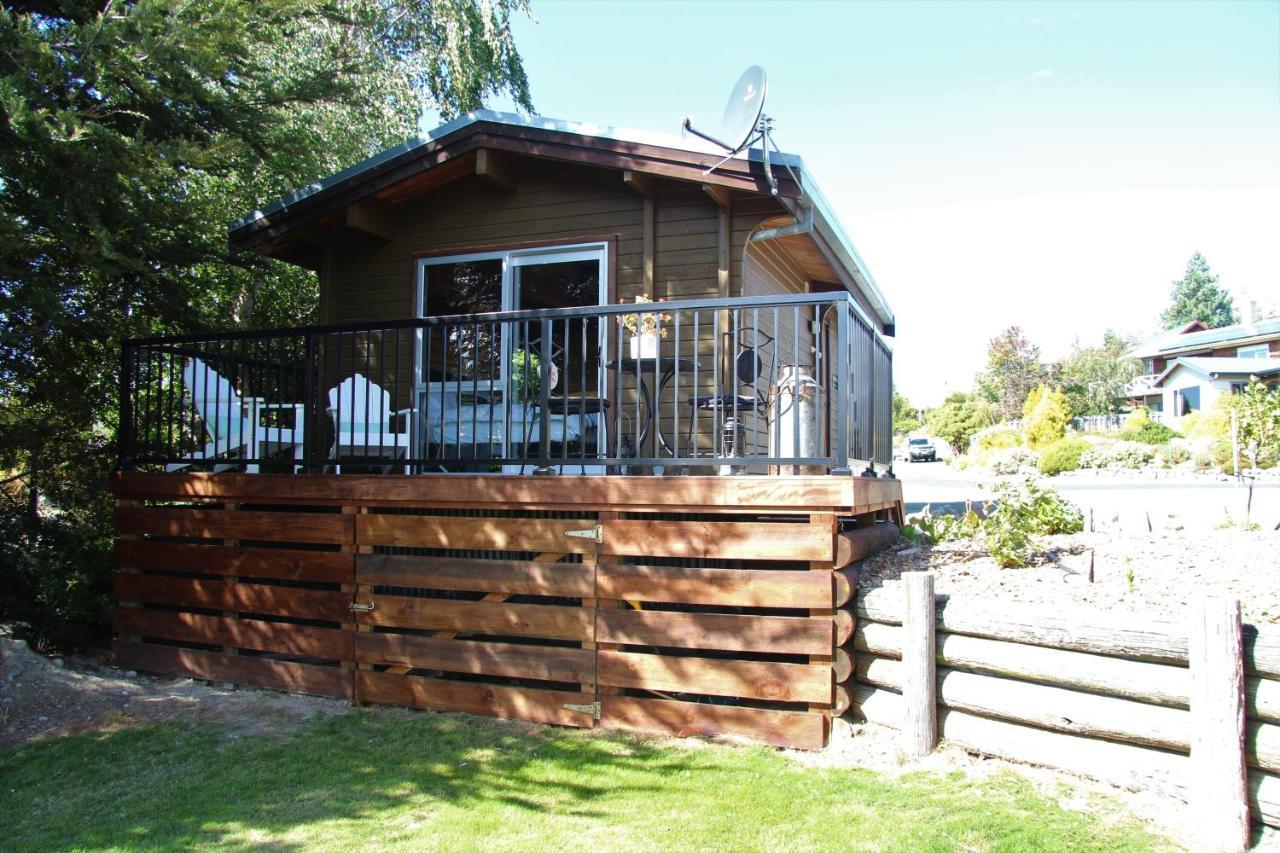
{"x": 744, "y": 123}
{"x": 743, "y": 109}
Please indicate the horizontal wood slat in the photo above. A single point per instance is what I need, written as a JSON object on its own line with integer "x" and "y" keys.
{"x": 479, "y": 617}
{"x": 787, "y": 495}
{"x": 784, "y": 682}
{"x": 513, "y": 577}
{"x": 728, "y": 540}
{"x": 511, "y": 703}
{"x": 238, "y": 669}
{"x": 510, "y": 660}
{"x": 722, "y": 631}
{"x": 726, "y": 587}
{"x": 495, "y": 534}
{"x": 788, "y": 729}
{"x": 273, "y": 563}
{"x": 310, "y": 527}
{"x": 280, "y": 637}
{"x": 241, "y": 597}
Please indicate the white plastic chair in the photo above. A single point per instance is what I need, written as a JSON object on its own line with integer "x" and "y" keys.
{"x": 362, "y": 420}
{"x": 234, "y": 423}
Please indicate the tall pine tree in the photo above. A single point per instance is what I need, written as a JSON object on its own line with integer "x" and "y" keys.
{"x": 1196, "y": 296}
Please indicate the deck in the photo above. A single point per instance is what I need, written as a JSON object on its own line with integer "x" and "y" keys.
{"x": 679, "y": 605}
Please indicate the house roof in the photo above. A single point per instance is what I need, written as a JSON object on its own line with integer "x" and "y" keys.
{"x": 1223, "y": 368}
{"x": 653, "y": 153}
{"x": 1176, "y": 340}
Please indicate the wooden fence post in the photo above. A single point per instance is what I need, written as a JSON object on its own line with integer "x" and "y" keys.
{"x": 1217, "y": 785}
{"x": 919, "y": 666}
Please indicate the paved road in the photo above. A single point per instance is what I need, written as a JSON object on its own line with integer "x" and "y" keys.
{"x": 1128, "y": 502}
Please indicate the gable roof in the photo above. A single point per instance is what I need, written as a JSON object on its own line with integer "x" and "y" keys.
{"x": 441, "y": 151}
{"x": 1177, "y": 340}
{"x": 1223, "y": 368}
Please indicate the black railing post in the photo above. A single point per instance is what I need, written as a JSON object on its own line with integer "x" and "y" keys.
{"x": 842, "y": 369}
{"x": 124, "y": 433}
{"x": 544, "y": 394}
{"x": 311, "y": 408}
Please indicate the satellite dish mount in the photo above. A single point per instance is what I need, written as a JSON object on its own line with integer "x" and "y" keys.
{"x": 745, "y": 124}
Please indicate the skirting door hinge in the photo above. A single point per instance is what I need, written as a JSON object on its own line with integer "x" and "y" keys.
{"x": 593, "y": 709}
{"x": 361, "y": 606}
{"x": 595, "y": 534}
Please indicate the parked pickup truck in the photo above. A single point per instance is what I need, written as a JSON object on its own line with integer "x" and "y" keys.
{"x": 921, "y": 450}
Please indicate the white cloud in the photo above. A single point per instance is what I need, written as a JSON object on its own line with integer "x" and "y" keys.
{"x": 1042, "y": 74}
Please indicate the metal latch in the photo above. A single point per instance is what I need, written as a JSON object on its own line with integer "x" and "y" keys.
{"x": 593, "y": 709}
{"x": 594, "y": 533}
{"x": 361, "y": 607}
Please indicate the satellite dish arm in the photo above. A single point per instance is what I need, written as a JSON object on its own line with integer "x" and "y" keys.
{"x": 688, "y": 125}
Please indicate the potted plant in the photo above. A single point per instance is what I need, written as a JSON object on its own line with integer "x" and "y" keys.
{"x": 646, "y": 329}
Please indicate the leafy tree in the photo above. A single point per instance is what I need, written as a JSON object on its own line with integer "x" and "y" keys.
{"x": 1196, "y": 296}
{"x": 1013, "y": 369}
{"x": 906, "y": 417}
{"x": 955, "y": 421}
{"x": 1257, "y": 410}
{"x": 130, "y": 134}
{"x": 1045, "y": 417}
{"x": 1094, "y": 378}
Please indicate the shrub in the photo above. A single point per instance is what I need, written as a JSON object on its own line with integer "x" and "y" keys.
{"x": 1175, "y": 454}
{"x": 1014, "y": 461}
{"x": 1151, "y": 432}
{"x": 1045, "y": 417}
{"x": 999, "y": 437}
{"x": 1062, "y": 455}
{"x": 1122, "y": 454}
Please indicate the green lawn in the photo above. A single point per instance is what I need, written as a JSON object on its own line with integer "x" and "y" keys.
{"x": 428, "y": 781}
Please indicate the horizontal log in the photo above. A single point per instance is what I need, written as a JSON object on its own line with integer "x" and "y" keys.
{"x": 1053, "y": 708}
{"x": 332, "y": 606}
{"x": 846, "y": 582}
{"x": 1161, "y": 684}
{"x": 479, "y": 617}
{"x": 845, "y": 622}
{"x": 237, "y": 669}
{"x": 310, "y": 527}
{"x": 270, "y": 563}
{"x": 1121, "y": 764}
{"x": 727, "y": 540}
{"x": 784, "y": 495}
{"x": 844, "y": 699}
{"x": 508, "y": 660}
{"x": 513, "y": 577}
{"x": 1075, "y": 629}
{"x": 783, "y": 682}
{"x": 489, "y": 700}
{"x": 723, "y": 631}
{"x": 842, "y": 665}
{"x": 488, "y": 534}
{"x": 725, "y": 587}
{"x": 1262, "y": 699}
{"x": 862, "y": 542}
{"x": 787, "y": 729}
{"x": 280, "y": 637}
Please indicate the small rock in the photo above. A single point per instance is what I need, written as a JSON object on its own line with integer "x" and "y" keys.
{"x": 909, "y": 552}
{"x": 43, "y": 719}
{"x": 57, "y": 662}
{"x": 131, "y": 674}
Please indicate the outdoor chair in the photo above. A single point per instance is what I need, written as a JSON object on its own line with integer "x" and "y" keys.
{"x": 749, "y": 370}
{"x": 582, "y": 406}
{"x": 362, "y": 419}
{"x": 234, "y": 424}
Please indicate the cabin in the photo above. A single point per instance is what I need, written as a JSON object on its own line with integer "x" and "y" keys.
{"x": 591, "y": 428}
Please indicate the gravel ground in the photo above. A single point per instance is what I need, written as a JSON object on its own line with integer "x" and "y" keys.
{"x": 1159, "y": 573}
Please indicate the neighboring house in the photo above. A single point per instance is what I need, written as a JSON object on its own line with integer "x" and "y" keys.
{"x": 352, "y": 509}
{"x": 1187, "y": 369}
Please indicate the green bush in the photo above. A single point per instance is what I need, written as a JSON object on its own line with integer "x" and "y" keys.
{"x": 1062, "y": 455}
{"x": 1121, "y": 455}
{"x": 999, "y": 437}
{"x": 1045, "y": 417}
{"x": 1015, "y": 460}
{"x": 1021, "y": 512}
{"x": 1174, "y": 454}
{"x": 1150, "y": 432}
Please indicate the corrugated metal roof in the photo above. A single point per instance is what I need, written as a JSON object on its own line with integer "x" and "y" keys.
{"x": 1215, "y": 367}
{"x": 1166, "y": 342}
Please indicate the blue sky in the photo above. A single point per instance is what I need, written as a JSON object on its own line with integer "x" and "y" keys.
{"x": 1052, "y": 165}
